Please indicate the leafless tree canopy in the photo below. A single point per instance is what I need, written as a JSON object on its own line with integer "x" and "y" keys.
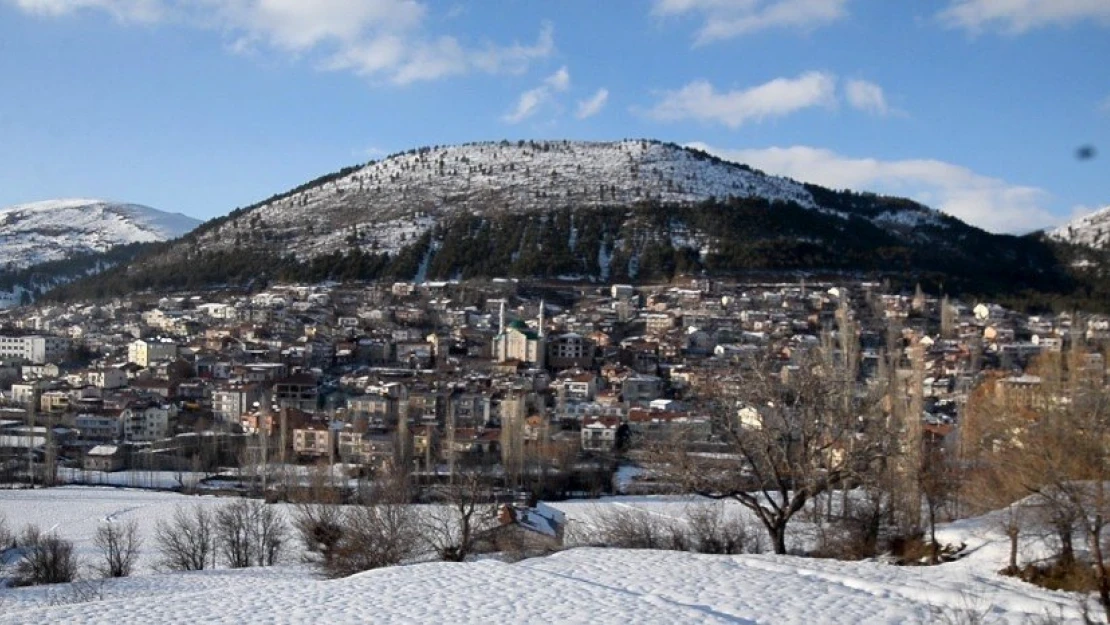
{"x": 250, "y": 533}
{"x": 1052, "y": 448}
{"x": 46, "y": 560}
{"x": 119, "y": 545}
{"x": 705, "y": 528}
{"x": 790, "y": 433}
{"x": 382, "y": 531}
{"x": 451, "y": 527}
{"x": 186, "y": 542}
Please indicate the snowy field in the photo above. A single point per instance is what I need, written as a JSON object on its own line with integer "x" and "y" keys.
{"x": 582, "y": 585}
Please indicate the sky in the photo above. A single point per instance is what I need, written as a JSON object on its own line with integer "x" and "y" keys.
{"x": 974, "y": 107}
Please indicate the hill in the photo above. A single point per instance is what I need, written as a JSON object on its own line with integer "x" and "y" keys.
{"x": 43, "y": 243}
{"x": 576, "y": 586}
{"x": 633, "y": 210}
{"x": 1092, "y": 230}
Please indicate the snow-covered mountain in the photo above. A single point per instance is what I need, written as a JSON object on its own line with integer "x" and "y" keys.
{"x": 632, "y": 210}
{"x": 1092, "y": 230}
{"x": 52, "y": 230}
{"x": 393, "y": 201}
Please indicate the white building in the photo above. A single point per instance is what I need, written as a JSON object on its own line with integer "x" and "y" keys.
{"x": 36, "y": 349}
{"x": 143, "y": 352}
{"x": 108, "y": 378}
{"x": 516, "y": 341}
{"x": 600, "y": 434}
{"x": 146, "y": 424}
{"x": 101, "y": 428}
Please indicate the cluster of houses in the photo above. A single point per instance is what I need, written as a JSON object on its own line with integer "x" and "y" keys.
{"x": 439, "y": 376}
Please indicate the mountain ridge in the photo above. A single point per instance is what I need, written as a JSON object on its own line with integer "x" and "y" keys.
{"x": 1091, "y": 230}
{"x": 634, "y": 209}
{"x": 50, "y": 230}
{"x": 50, "y": 242}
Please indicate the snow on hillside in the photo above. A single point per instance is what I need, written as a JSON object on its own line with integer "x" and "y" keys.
{"x": 54, "y": 229}
{"x": 593, "y": 586}
{"x": 391, "y": 202}
{"x": 581, "y": 585}
{"x": 1092, "y": 230}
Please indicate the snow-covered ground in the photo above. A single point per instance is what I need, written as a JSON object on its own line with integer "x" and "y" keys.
{"x": 1092, "y": 229}
{"x": 54, "y": 229}
{"x": 583, "y": 585}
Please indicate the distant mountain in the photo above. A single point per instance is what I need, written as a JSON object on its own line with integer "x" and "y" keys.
{"x": 50, "y": 242}
{"x": 390, "y": 203}
{"x": 56, "y": 229}
{"x": 1092, "y": 230}
{"x": 635, "y": 210}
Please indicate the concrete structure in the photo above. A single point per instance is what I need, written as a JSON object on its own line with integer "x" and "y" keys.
{"x": 35, "y": 349}
{"x": 143, "y": 352}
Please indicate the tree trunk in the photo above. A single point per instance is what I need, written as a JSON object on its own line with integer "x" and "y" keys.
{"x": 778, "y": 537}
{"x": 1012, "y": 533}
{"x": 1095, "y": 537}
{"x": 1067, "y": 551}
{"x": 935, "y": 557}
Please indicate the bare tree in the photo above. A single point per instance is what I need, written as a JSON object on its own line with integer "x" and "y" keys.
{"x": 794, "y": 432}
{"x": 382, "y": 531}
{"x": 119, "y": 545}
{"x": 250, "y": 533}
{"x": 937, "y": 480}
{"x": 1059, "y": 453}
{"x": 46, "y": 560}
{"x": 705, "y": 528}
{"x": 186, "y": 542}
{"x": 451, "y": 527}
{"x": 320, "y": 528}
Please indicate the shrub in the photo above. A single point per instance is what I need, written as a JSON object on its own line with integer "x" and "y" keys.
{"x": 345, "y": 541}
{"x": 250, "y": 533}
{"x": 119, "y": 548}
{"x": 46, "y": 560}
{"x": 187, "y": 541}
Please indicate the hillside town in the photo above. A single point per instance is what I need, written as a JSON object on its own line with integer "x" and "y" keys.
{"x": 554, "y": 390}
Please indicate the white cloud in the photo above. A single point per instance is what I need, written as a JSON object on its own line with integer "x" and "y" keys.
{"x": 122, "y": 10}
{"x": 529, "y": 102}
{"x": 700, "y": 101}
{"x": 527, "y": 105}
{"x": 592, "y": 105}
{"x": 515, "y": 58}
{"x": 1019, "y": 16}
{"x": 866, "y": 96}
{"x": 984, "y": 201}
{"x": 725, "y": 19}
{"x": 560, "y": 80}
{"x": 374, "y": 38}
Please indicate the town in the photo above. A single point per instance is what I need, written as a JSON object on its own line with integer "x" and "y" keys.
{"x": 553, "y": 390}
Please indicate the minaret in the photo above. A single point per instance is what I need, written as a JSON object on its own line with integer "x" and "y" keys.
{"x": 501, "y": 324}
{"x": 541, "y": 318}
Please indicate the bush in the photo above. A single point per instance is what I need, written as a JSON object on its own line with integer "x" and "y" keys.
{"x": 187, "y": 541}
{"x": 628, "y": 528}
{"x": 345, "y": 541}
{"x": 119, "y": 548}
{"x": 46, "y": 560}
{"x": 320, "y": 528}
{"x": 250, "y": 533}
{"x": 705, "y": 529}
{"x": 712, "y": 530}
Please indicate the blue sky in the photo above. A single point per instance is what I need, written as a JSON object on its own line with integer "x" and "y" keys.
{"x": 976, "y": 107}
